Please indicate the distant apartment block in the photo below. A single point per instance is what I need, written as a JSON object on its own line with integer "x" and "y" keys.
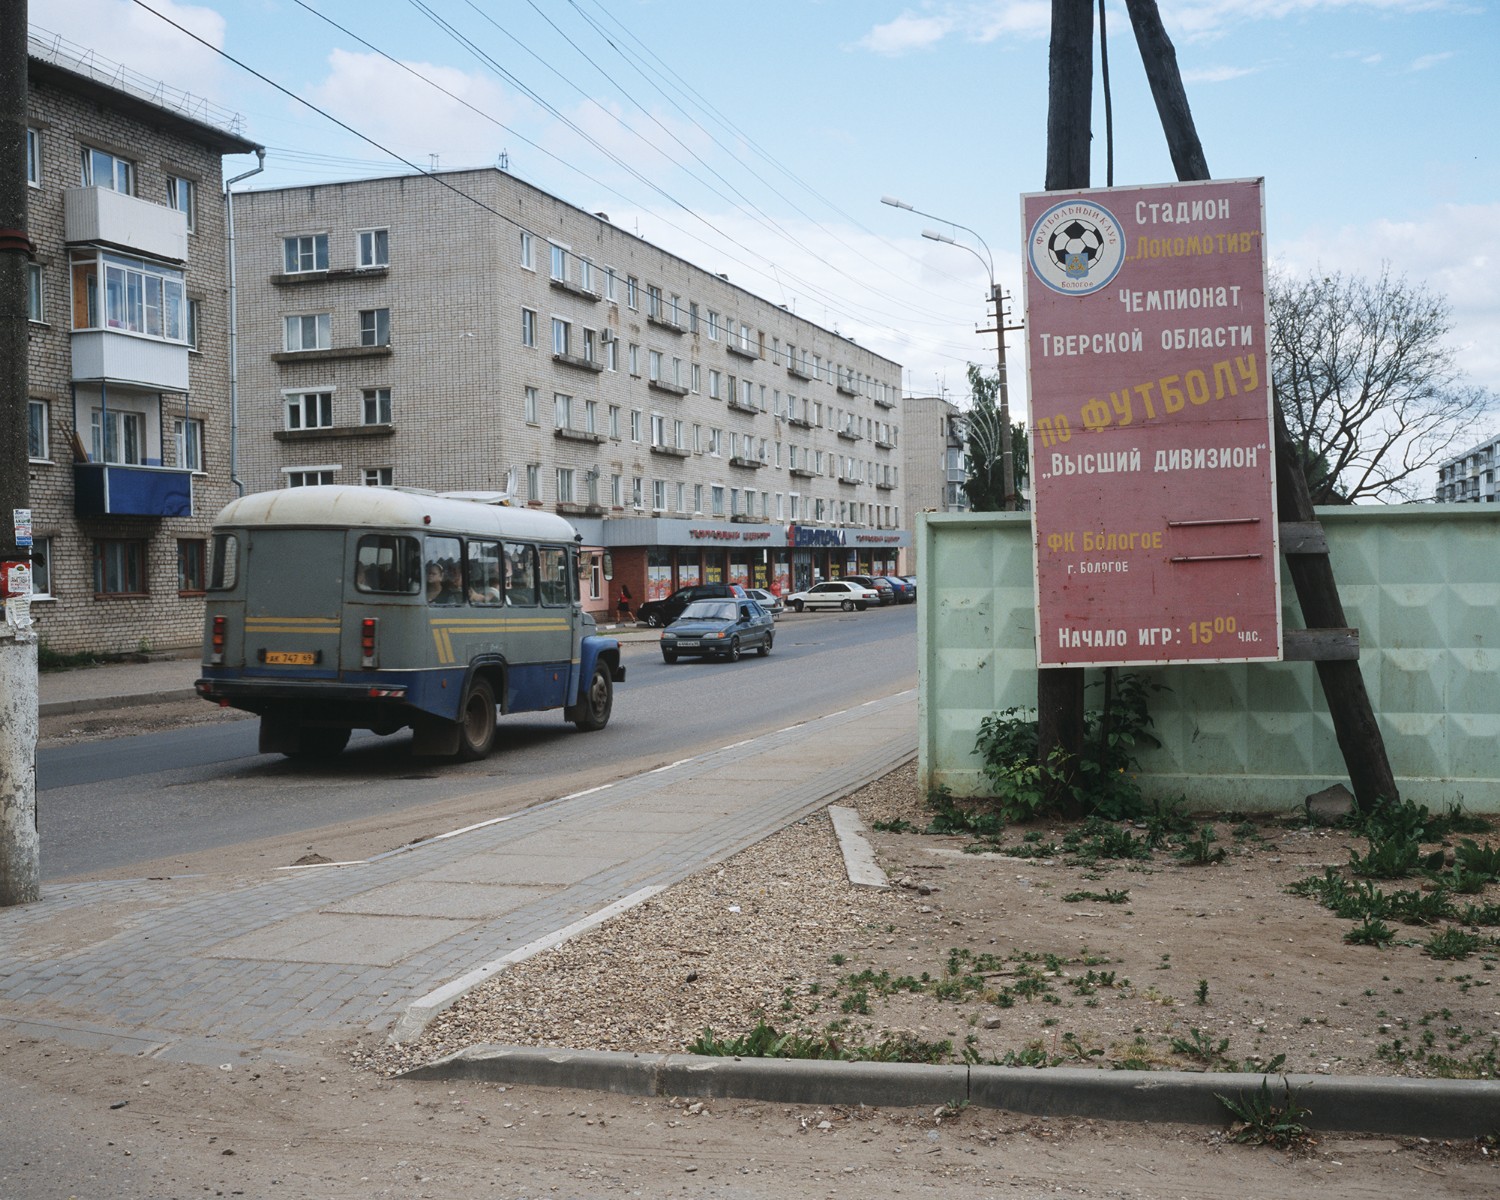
{"x": 468, "y": 331}
{"x": 1470, "y": 477}
{"x": 128, "y": 414}
{"x": 936, "y": 442}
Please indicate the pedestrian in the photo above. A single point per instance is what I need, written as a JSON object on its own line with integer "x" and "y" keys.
{"x": 622, "y": 608}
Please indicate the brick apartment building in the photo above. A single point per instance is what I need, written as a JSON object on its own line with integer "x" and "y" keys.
{"x": 467, "y": 331}
{"x": 128, "y": 390}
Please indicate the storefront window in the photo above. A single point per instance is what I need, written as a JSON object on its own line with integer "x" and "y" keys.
{"x": 658, "y": 575}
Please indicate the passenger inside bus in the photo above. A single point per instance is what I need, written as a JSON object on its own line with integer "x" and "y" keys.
{"x": 442, "y": 585}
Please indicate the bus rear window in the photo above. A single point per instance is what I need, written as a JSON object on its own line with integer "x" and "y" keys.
{"x": 225, "y": 565}
{"x": 384, "y": 562}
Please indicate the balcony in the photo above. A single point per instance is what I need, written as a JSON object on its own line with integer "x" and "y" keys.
{"x": 742, "y": 351}
{"x": 797, "y": 372}
{"x": 657, "y": 321}
{"x": 575, "y": 289}
{"x": 114, "y": 357}
{"x": 883, "y": 402}
{"x": 749, "y": 464}
{"x": 846, "y": 387}
{"x": 800, "y": 472}
{"x": 568, "y": 434}
{"x": 671, "y": 389}
{"x": 670, "y": 451}
{"x": 106, "y": 490}
{"x": 884, "y": 443}
{"x": 744, "y": 406}
{"x": 102, "y": 217}
{"x": 577, "y": 363}
{"x": 799, "y": 422}
{"x": 849, "y": 435}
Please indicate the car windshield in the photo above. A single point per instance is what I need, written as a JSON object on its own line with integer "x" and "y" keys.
{"x": 709, "y": 610}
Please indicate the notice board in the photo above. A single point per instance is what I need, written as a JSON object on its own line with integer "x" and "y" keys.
{"x": 1153, "y": 485}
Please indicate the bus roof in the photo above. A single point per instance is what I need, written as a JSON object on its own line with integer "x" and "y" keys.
{"x": 342, "y": 506}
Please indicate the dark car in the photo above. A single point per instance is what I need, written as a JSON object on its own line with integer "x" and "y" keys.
{"x": 723, "y": 628}
{"x": 906, "y": 593}
{"x": 660, "y": 613}
{"x": 875, "y": 583}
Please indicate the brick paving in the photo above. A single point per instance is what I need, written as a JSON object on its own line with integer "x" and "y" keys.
{"x": 207, "y": 975}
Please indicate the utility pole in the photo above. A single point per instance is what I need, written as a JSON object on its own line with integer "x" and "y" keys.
{"x": 20, "y": 861}
{"x": 1007, "y": 455}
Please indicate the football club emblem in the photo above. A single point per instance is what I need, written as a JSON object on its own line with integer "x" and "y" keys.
{"x": 1076, "y": 247}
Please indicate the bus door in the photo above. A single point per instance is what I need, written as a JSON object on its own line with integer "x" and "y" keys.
{"x": 540, "y": 603}
{"x": 295, "y": 591}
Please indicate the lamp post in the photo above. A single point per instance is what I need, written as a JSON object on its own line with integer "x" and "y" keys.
{"x": 1007, "y": 461}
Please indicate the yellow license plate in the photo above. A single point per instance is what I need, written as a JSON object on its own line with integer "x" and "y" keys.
{"x": 290, "y": 658}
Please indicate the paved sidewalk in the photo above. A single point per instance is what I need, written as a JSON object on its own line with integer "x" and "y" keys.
{"x": 190, "y": 972}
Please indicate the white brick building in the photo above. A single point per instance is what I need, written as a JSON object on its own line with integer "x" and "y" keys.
{"x": 1470, "y": 477}
{"x": 128, "y": 415}
{"x": 467, "y": 331}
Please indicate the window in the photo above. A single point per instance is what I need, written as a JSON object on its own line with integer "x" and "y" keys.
{"x": 385, "y": 562}
{"x": 632, "y": 291}
{"x": 562, "y": 408}
{"x": 528, "y": 256}
{"x": 717, "y": 491}
{"x": 528, "y": 327}
{"x": 562, "y": 335}
{"x": 565, "y": 485}
{"x": 534, "y": 481}
{"x": 681, "y": 497}
{"x": 377, "y": 406}
{"x": 309, "y": 410}
{"x": 635, "y": 425}
{"x": 194, "y": 322}
{"x": 659, "y": 495}
{"x": 614, "y": 421}
{"x": 36, "y": 429}
{"x": 611, "y": 351}
{"x": 310, "y": 332}
{"x": 653, "y": 365}
{"x": 559, "y": 263}
{"x": 33, "y": 165}
{"x": 653, "y": 301}
{"x": 374, "y": 248}
{"x": 692, "y": 316}
{"x": 139, "y": 297}
{"x": 658, "y": 431}
{"x": 306, "y": 253}
{"x": 610, "y": 280}
{"x": 520, "y": 574}
{"x": 528, "y": 405}
{"x": 377, "y": 476}
{"x": 375, "y": 327}
{"x": 715, "y": 442}
{"x": 41, "y": 568}
{"x": 188, "y": 435}
{"x": 590, "y": 416}
{"x": 616, "y": 489}
{"x": 119, "y": 567}
{"x": 191, "y": 554}
{"x": 635, "y": 491}
{"x": 713, "y": 326}
{"x": 554, "y": 563}
{"x": 586, "y": 274}
{"x": 36, "y": 309}
{"x": 102, "y": 169}
{"x": 309, "y": 476}
{"x": 182, "y": 194}
{"x": 486, "y": 573}
{"x": 635, "y": 359}
{"x": 698, "y": 498}
{"x": 117, "y": 436}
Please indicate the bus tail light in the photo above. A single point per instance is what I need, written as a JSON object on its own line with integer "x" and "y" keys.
{"x": 216, "y": 641}
{"x": 367, "y": 642}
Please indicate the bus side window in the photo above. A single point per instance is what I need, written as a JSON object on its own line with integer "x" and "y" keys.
{"x": 520, "y": 578}
{"x": 385, "y": 562}
{"x": 554, "y": 576}
{"x": 225, "y": 563}
{"x": 485, "y": 573}
{"x": 445, "y": 574}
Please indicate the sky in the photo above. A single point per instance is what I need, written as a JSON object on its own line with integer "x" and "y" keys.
{"x": 758, "y": 140}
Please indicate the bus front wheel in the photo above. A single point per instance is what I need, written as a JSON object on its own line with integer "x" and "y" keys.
{"x": 594, "y": 706}
{"x": 476, "y": 727}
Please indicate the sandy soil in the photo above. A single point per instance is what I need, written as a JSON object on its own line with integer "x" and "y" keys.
{"x": 805, "y": 950}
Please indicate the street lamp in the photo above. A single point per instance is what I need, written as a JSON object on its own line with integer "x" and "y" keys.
{"x": 1007, "y": 461}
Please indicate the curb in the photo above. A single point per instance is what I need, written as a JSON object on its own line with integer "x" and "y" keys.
{"x": 1450, "y": 1108}
{"x": 59, "y": 708}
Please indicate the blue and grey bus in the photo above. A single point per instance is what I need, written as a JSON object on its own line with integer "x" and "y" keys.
{"x": 339, "y": 608}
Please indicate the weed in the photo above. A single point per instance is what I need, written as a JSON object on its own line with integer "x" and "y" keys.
{"x": 1261, "y": 1121}
{"x": 1386, "y": 858}
{"x": 1372, "y": 932}
{"x": 898, "y": 826}
{"x": 1105, "y": 897}
{"x": 1452, "y": 943}
{"x": 1200, "y": 1047}
{"x": 1480, "y": 860}
{"x": 1201, "y": 851}
{"x": 765, "y": 1041}
{"x": 1202, "y": 993}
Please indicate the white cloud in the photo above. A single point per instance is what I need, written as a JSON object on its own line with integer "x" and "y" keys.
{"x": 1216, "y": 74}
{"x": 131, "y": 37}
{"x": 906, "y": 33}
{"x": 1427, "y": 61}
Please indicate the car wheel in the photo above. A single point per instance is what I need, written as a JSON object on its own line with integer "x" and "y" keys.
{"x": 476, "y": 725}
{"x": 848, "y": 605}
{"x": 796, "y": 606}
{"x": 765, "y": 647}
{"x": 733, "y": 653}
{"x": 593, "y": 709}
{"x": 653, "y": 621}
{"x": 669, "y": 656}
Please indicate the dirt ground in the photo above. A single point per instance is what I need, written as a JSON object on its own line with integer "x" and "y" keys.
{"x": 1057, "y": 960}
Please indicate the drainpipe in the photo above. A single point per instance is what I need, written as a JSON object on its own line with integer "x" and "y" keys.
{"x": 234, "y": 330}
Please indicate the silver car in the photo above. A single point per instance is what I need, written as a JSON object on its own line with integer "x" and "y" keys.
{"x": 769, "y": 601}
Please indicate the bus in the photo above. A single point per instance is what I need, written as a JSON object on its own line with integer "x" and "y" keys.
{"x": 337, "y": 608}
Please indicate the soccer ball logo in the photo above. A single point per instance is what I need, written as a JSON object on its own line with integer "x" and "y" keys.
{"x": 1076, "y": 246}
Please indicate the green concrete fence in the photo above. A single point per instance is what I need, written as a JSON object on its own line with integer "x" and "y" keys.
{"x": 1420, "y": 582}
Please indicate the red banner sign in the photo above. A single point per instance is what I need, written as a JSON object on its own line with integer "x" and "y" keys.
{"x": 1153, "y": 485}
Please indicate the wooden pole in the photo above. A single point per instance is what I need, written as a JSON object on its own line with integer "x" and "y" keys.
{"x": 1343, "y": 683}
{"x": 1070, "y": 99}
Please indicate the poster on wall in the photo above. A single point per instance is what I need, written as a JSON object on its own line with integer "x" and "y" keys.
{"x": 1154, "y": 508}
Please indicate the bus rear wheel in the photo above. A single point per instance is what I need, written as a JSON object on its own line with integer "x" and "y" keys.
{"x": 476, "y": 727}
{"x": 593, "y": 708}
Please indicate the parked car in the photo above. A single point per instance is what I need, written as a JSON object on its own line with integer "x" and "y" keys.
{"x": 660, "y": 613}
{"x": 905, "y": 592}
{"x": 878, "y": 585}
{"x": 769, "y": 601}
{"x": 835, "y": 593}
{"x": 723, "y": 628}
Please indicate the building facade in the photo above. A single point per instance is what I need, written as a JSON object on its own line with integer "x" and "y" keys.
{"x": 1470, "y": 477}
{"x": 934, "y": 449}
{"x": 128, "y": 374}
{"x": 469, "y": 332}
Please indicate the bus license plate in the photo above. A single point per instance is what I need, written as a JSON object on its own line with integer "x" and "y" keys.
{"x": 290, "y": 658}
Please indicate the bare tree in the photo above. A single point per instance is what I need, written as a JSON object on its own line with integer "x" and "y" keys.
{"x": 1369, "y": 387}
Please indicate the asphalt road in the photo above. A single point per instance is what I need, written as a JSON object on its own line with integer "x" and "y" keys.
{"x": 105, "y": 805}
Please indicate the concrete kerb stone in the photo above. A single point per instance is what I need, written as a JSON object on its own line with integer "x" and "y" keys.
{"x": 1452, "y": 1108}
{"x": 859, "y": 859}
